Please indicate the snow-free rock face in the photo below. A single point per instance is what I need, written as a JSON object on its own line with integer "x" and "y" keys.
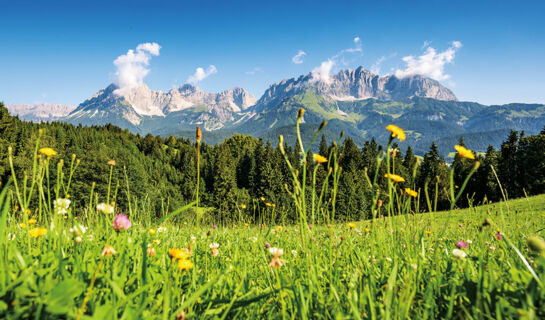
{"x": 133, "y": 106}
{"x": 356, "y": 84}
{"x": 39, "y": 112}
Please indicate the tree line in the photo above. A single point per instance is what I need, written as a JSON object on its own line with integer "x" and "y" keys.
{"x": 246, "y": 178}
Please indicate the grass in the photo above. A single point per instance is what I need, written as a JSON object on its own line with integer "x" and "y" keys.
{"x": 472, "y": 264}
{"x": 365, "y": 272}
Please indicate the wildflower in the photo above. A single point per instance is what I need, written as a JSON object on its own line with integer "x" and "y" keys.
{"x": 253, "y": 239}
{"x": 457, "y": 253}
{"x": 198, "y": 134}
{"x": 394, "y": 177}
{"x": 111, "y": 163}
{"x": 161, "y": 229}
{"x": 319, "y": 158}
{"x": 151, "y": 252}
{"x": 461, "y": 244}
{"x": 193, "y": 239}
{"x": 268, "y": 204}
{"x": 243, "y": 206}
{"x": 498, "y": 236}
{"x": 367, "y": 230}
{"x": 310, "y": 227}
{"x": 214, "y": 246}
{"x": 294, "y": 253}
{"x": 267, "y": 245}
{"x": 536, "y": 243}
{"x": 48, "y": 152}
{"x": 108, "y": 251}
{"x": 180, "y": 254}
{"x": 78, "y": 230}
{"x": 184, "y": 264}
{"x": 78, "y": 239}
{"x": 37, "y": 232}
{"x": 152, "y": 231}
{"x": 16, "y": 208}
{"x": 215, "y": 227}
{"x": 388, "y": 259}
{"x": 428, "y": 232}
{"x": 32, "y": 221}
{"x": 156, "y": 242}
{"x": 411, "y": 192}
{"x": 61, "y": 206}
{"x": 492, "y": 248}
{"x": 396, "y": 132}
{"x": 469, "y": 241}
{"x": 379, "y": 202}
{"x": 276, "y": 262}
{"x": 464, "y": 153}
{"x": 460, "y": 225}
{"x": 121, "y": 222}
{"x": 262, "y": 198}
{"x": 351, "y": 225}
{"x": 105, "y": 208}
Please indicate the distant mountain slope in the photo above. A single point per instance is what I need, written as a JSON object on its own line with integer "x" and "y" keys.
{"x": 39, "y": 111}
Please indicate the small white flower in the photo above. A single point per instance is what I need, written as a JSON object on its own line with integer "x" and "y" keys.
{"x": 162, "y": 229}
{"x": 193, "y": 239}
{"x": 469, "y": 241}
{"x": 294, "y": 253}
{"x": 253, "y": 239}
{"x": 105, "y": 208}
{"x": 61, "y": 206}
{"x": 214, "y": 245}
{"x": 277, "y": 252}
{"x": 458, "y": 253}
{"x": 388, "y": 259}
{"x": 78, "y": 230}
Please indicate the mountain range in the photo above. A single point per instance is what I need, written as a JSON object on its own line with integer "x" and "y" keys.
{"x": 357, "y": 102}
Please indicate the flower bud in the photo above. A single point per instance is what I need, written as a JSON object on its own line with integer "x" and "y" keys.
{"x": 323, "y": 124}
{"x": 300, "y": 114}
{"x": 198, "y": 134}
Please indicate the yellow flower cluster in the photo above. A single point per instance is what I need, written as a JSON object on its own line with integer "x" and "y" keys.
{"x": 37, "y": 232}
{"x": 182, "y": 257}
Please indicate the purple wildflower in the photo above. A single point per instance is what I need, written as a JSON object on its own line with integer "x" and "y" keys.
{"x": 461, "y": 244}
{"x": 121, "y": 222}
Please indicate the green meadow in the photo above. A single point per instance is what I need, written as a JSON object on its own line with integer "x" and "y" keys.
{"x": 104, "y": 261}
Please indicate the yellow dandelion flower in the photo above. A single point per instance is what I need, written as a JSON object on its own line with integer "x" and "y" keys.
{"x": 428, "y": 233}
{"x": 367, "y": 230}
{"x": 411, "y": 192}
{"x": 243, "y": 206}
{"x": 319, "y": 158}
{"x": 396, "y": 132}
{"x": 37, "y": 232}
{"x": 111, "y": 163}
{"x": 268, "y": 204}
{"x": 394, "y": 177}
{"x": 32, "y": 221}
{"x": 262, "y": 198}
{"x": 48, "y": 152}
{"x": 351, "y": 225}
{"x": 180, "y": 254}
{"x": 464, "y": 153}
{"x": 184, "y": 264}
{"x": 156, "y": 242}
{"x": 22, "y": 225}
{"x": 152, "y": 231}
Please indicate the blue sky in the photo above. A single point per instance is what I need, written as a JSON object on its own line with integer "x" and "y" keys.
{"x": 63, "y": 51}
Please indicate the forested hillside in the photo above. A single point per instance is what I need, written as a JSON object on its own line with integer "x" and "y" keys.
{"x": 243, "y": 170}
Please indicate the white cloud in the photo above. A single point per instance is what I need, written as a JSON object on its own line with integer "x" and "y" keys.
{"x": 431, "y": 63}
{"x": 254, "y": 71}
{"x": 298, "y": 58}
{"x": 375, "y": 68}
{"x": 131, "y": 68}
{"x": 322, "y": 73}
{"x": 200, "y": 74}
{"x": 344, "y": 57}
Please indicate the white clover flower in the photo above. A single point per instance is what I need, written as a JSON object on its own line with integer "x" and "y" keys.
{"x": 214, "y": 245}
{"x": 458, "y": 253}
{"x": 277, "y": 252}
{"x": 61, "y": 206}
{"x": 105, "y": 208}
